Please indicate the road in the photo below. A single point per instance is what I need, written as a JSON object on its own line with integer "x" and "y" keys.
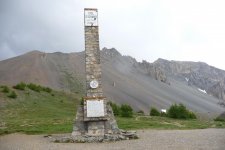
{"x": 203, "y": 139}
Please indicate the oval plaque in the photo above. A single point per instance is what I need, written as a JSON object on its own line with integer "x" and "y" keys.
{"x": 94, "y": 84}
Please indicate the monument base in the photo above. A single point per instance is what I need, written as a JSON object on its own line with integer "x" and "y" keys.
{"x": 101, "y": 130}
{"x": 106, "y": 125}
{"x": 123, "y": 135}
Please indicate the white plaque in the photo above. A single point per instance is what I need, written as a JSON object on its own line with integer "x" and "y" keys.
{"x": 95, "y": 108}
{"x": 91, "y": 17}
{"x": 94, "y": 84}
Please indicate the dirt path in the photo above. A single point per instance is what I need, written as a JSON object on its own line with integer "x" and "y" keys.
{"x": 206, "y": 139}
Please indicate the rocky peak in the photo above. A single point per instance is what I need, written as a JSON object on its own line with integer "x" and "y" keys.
{"x": 35, "y": 52}
{"x": 161, "y": 61}
{"x": 112, "y": 52}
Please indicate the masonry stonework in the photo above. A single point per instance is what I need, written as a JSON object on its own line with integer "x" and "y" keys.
{"x": 106, "y": 123}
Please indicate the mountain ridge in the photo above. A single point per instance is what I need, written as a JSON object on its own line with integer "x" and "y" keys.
{"x": 140, "y": 84}
{"x": 198, "y": 74}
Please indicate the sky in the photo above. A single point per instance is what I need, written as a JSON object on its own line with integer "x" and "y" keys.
{"x": 184, "y": 30}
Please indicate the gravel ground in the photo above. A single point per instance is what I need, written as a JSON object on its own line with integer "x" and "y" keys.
{"x": 205, "y": 139}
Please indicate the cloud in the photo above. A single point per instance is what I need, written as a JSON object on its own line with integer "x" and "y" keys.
{"x": 148, "y": 29}
{"x": 40, "y": 25}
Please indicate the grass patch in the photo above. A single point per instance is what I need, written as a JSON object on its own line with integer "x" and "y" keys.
{"x": 38, "y": 112}
{"x": 41, "y": 113}
{"x": 156, "y": 122}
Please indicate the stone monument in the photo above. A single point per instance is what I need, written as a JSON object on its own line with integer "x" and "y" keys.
{"x": 94, "y": 121}
{"x": 95, "y": 117}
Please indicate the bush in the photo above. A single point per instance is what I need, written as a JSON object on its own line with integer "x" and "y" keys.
{"x": 20, "y": 86}
{"x": 219, "y": 119}
{"x": 47, "y": 89}
{"x": 154, "y": 112}
{"x": 192, "y": 115}
{"x": 140, "y": 112}
{"x": 12, "y": 94}
{"x": 38, "y": 88}
{"x": 5, "y": 89}
{"x": 180, "y": 112}
{"x": 82, "y": 101}
{"x": 115, "y": 108}
{"x": 163, "y": 114}
{"x": 34, "y": 87}
{"x": 126, "y": 111}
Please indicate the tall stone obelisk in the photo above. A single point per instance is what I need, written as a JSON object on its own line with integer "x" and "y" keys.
{"x": 95, "y": 116}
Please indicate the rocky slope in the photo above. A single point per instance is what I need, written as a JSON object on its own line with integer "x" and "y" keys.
{"x": 56, "y": 70}
{"x": 129, "y": 64}
{"x": 141, "y": 84}
{"x": 204, "y": 77}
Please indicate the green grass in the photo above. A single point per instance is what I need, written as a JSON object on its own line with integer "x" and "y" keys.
{"x": 46, "y": 113}
{"x": 38, "y": 112}
{"x": 155, "y": 122}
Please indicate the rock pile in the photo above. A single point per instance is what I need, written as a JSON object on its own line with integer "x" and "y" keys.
{"x": 123, "y": 135}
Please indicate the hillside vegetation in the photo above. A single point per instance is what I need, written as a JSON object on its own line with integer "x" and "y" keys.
{"x": 37, "y": 112}
{"x": 48, "y": 111}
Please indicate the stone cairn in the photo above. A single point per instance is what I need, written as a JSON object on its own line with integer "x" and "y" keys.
{"x": 94, "y": 121}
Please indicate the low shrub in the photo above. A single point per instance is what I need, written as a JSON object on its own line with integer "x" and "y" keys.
{"x": 192, "y": 115}
{"x": 12, "y": 94}
{"x": 38, "y": 88}
{"x": 163, "y": 114}
{"x": 82, "y": 101}
{"x": 126, "y": 110}
{"x": 221, "y": 117}
{"x": 180, "y": 112}
{"x": 46, "y": 89}
{"x": 115, "y": 108}
{"x": 140, "y": 112}
{"x": 154, "y": 112}
{"x": 5, "y": 89}
{"x": 34, "y": 87}
{"x": 20, "y": 86}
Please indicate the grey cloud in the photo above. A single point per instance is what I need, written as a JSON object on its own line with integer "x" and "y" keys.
{"x": 41, "y": 25}
{"x": 145, "y": 29}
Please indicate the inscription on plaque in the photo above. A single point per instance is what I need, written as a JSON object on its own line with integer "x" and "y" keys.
{"x": 91, "y": 17}
{"x": 95, "y": 108}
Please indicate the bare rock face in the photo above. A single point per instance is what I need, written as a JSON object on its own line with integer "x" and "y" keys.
{"x": 218, "y": 90}
{"x": 196, "y": 74}
{"x": 132, "y": 65}
{"x": 152, "y": 70}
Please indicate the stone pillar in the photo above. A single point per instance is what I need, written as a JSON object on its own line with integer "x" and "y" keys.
{"x": 95, "y": 117}
{"x": 94, "y": 104}
{"x": 92, "y": 61}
